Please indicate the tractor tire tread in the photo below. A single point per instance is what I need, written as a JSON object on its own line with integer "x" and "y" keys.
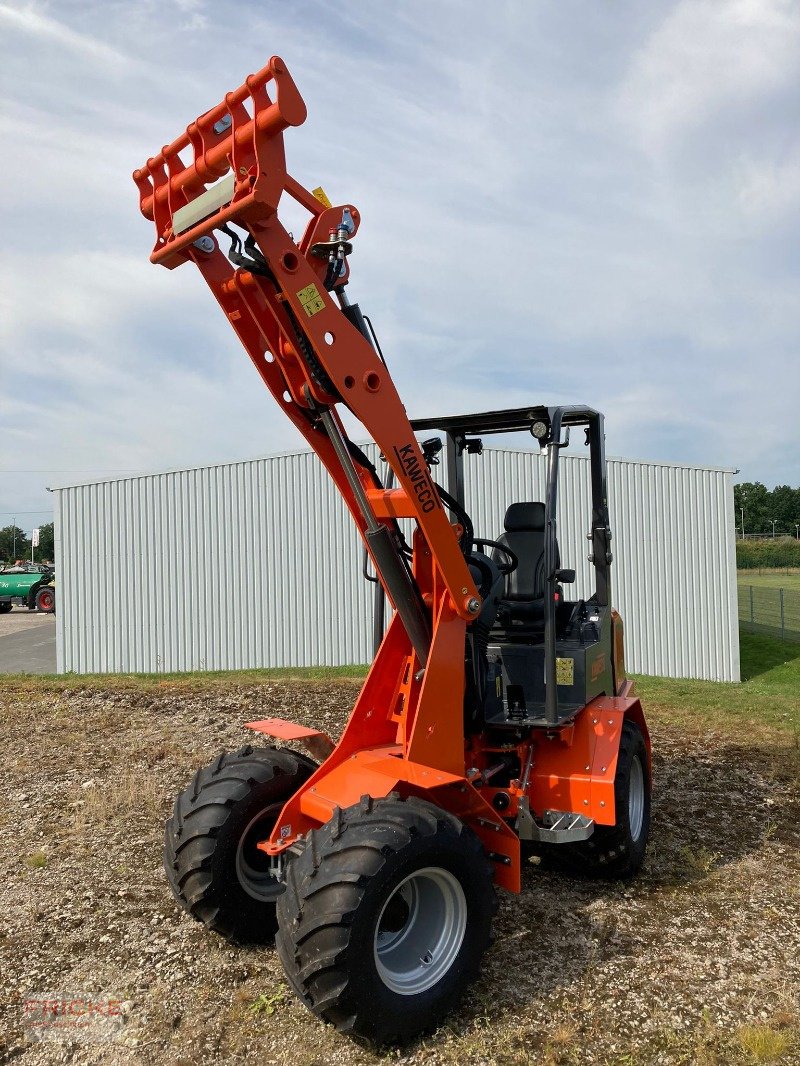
{"x": 326, "y": 885}
{"x": 199, "y": 816}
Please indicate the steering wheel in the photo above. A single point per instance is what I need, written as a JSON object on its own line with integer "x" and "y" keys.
{"x": 512, "y": 562}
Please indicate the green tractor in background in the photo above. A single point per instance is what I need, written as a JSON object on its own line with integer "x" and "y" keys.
{"x": 28, "y": 586}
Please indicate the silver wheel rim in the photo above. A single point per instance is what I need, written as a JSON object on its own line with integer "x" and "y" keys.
{"x": 252, "y": 866}
{"x": 636, "y": 798}
{"x": 420, "y": 931}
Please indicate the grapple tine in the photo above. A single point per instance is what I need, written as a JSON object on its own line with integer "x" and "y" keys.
{"x": 229, "y": 165}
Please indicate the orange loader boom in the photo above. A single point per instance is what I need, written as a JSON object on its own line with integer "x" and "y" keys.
{"x": 406, "y": 728}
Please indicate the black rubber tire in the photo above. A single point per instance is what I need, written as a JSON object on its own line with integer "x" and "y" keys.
{"x": 5, "y": 607}
{"x": 202, "y": 837}
{"x": 611, "y": 852}
{"x": 46, "y": 593}
{"x": 335, "y": 893}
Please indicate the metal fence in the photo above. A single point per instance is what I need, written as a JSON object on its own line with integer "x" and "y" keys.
{"x": 775, "y": 611}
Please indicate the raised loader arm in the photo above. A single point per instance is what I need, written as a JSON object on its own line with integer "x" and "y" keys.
{"x": 229, "y": 168}
{"x": 287, "y": 304}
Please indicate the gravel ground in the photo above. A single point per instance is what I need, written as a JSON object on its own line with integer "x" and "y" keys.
{"x": 19, "y": 619}
{"x": 698, "y": 961}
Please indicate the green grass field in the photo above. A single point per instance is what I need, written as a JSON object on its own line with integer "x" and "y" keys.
{"x": 770, "y": 579}
{"x": 768, "y": 696}
{"x": 769, "y": 602}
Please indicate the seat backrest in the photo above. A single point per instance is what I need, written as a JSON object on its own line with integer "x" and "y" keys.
{"x": 524, "y": 535}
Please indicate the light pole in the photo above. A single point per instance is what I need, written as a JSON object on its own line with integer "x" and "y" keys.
{"x": 14, "y": 549}
{"x": 743, "y": 523}
{"x": 774, "y": 523}
{"x": 797, "y": 531}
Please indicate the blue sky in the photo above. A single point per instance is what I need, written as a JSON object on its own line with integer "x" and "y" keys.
{"x": 579, "y": 202}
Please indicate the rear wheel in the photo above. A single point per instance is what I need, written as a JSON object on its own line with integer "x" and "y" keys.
{"x": 5, "y": 608}
{"x": 386, "y": 916}
{"x": 615, "y": 851}
{"x": 46, "y": 599}
{"x": 214, "y": 868}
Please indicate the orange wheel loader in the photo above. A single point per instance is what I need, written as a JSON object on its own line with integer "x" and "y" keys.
{"x": 496, "y": 719}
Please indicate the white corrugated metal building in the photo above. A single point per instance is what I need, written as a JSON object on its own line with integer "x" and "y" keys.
{"x": 255, "y": 564}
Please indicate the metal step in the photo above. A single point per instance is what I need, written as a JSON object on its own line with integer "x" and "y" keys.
{"x": 538, "y": 721}
{"x": 556, "y": 827}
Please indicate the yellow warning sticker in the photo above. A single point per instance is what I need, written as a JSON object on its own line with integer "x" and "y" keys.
{"x": 565, "y": 671}
{"x": 311, "y": 300}
{"x": 322, "y": 196}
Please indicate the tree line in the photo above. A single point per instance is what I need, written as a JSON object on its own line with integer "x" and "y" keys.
{"x": 761, "y": 507}
{"x": 16, "y": 544}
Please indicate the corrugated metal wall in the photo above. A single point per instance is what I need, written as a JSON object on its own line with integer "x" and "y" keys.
{"x": 674, "y": 574}
{"x": 258, "y": 564}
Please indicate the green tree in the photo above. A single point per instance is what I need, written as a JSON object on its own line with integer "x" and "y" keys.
{"x": 14, "y": 544}
{"x": 46, "y": 549}
{"x": 786, "y": 508}
{"x": 753, "y": 498}
{"x": 762, "y": 507}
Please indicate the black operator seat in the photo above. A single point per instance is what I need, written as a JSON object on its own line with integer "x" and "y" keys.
{"x": 522, "y": 605}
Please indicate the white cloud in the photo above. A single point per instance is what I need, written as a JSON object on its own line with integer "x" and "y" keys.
{"x": 769, "y": 189}
{"x": 705, "y": 57}
{"x": 30, "y": 21}
{"x": 597, "y": 207}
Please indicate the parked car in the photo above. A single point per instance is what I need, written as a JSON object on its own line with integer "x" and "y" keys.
{"x": 29, "y": 586}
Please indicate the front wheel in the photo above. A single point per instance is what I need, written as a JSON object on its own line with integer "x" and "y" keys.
{"x": 213, "y": 865}
{"x": 5, "y": 608}
{"x": 386, "y": 916}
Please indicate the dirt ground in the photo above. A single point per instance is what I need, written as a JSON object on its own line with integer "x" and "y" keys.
{"x": 698, "y": 961}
